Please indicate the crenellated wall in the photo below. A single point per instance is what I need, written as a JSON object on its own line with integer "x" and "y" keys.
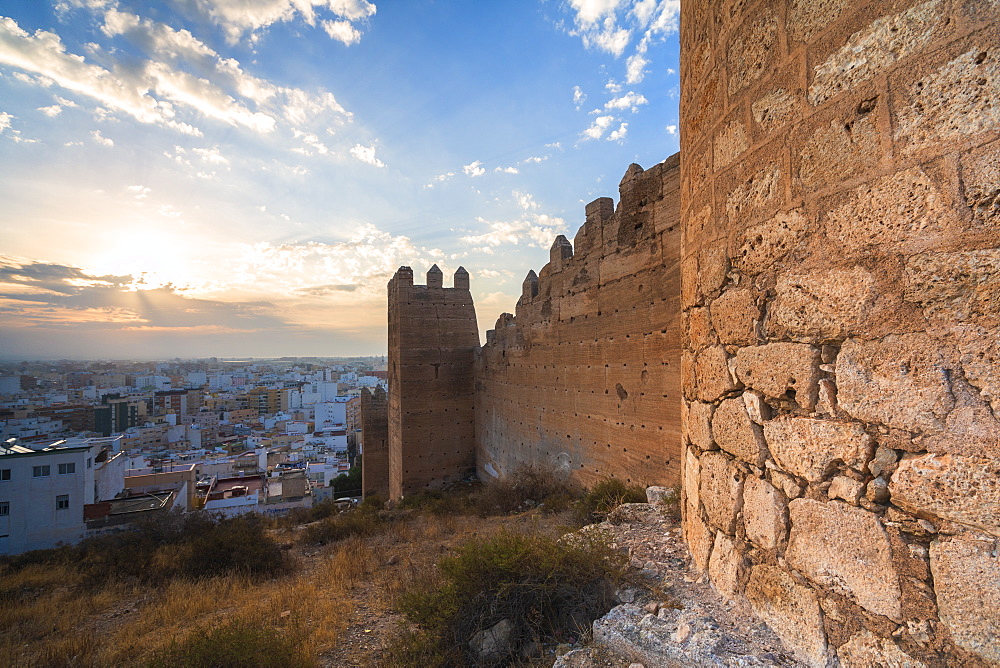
{"x": 375, "y": 441}
{"x": 586, "y": 375}
{"x": 433, "y": 337}
{"x": 841, "y": 297}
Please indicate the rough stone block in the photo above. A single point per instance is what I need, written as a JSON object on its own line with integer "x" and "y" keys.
{"x": 730, "y": 143}
{"x": 953, "y": 102}
{"x": 918, "y": 209}
{"x": 750, "y": 50}
{"x": 961, "y": 489}
{"x": 781, "y": 371}
{"x": 759, "y": 247}
{"x": 755, "y": 193}
{"x": 967, "y": 583}
{"x": 812, "y": 449}
{"x": 765, "y": 513}
{"x": 875, "y": 48}
{"x": 734, "y": 316}
{"x": 839, "y": 150}
{"x": 808, "y": 17}
{"x": 699, "y": 540}
{"x": 691, "y": 483}
{"x": 711, "y": 371}
{"x": 699, "y": 424}
{"x": 827, "y": 304}
{"x": 846, "y": 489}
{"x": 866, "y": 650}
{"x": 776, "y": 108}
{"x": 737, "y": 434}
{"x": 757, "y": 408}
{"x": 981, "y": 179}
{"x": 698, "y": 328}
{"x": 713, "y": 265}
{"x": 846, "y": 550}
{"x": 901, "y": 381}
{"x": 725, "y": 565}
{"x": 791, "y": 610}
{"x": 955, "y": 286}
{"x": 721, "y": 490}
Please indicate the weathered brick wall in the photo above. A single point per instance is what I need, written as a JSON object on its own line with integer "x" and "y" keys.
{"x": 375, "y": 439}
{"x": 840, "y": 286}
{"x": 433, "y": 337}
{"x": 586, "y": 376}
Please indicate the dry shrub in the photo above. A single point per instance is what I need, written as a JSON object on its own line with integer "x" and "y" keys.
{"x": 526, "y": 487}
{"x": 604, "y": 497}
{"x": 546, "y": 588}
{"x": 237, "y": 643}
{"x": 366, "y": 520}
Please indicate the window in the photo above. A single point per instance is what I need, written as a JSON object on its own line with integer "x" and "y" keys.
{"x": 62, "y": 502}
{"x": 4, "y": 474}
{"x": 89, "y": 462}
{"x": 40, "y": 471}
{"x": 67, "y": 468}
{"x": 4, "y": 508}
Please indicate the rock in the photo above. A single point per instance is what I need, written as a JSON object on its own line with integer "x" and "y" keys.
{"x": 901, "y": 381}
{"x": 781, "y": 371}
{"x": 737, "y": 434}
{"x": 699, "y": 539}
{"x": 878, "y": 491}
{"x": 792, "y": 610}
{"x": 721, "y": 490}
{"x": 961, "y": 489}
{"x": 725, "y": 566}
{"x": 966, "y": 572}
{"x": 810, "y": 448}
{"x": 652, "y": 608}
{"x": 712, "y": 371}
{"x": 493, "y": 643}
{"x": 661, "y": 495}
{"x": 734, "y": 316}
{"x": 635, "y": 513}
{"x": 757, "y": 408}
{"x": 845, "y": 550}
{"x": 765, "y": 513}
{"x": 866, "y": 650}
{"x": 884, "y": 461}
{"x": 625, "y": 595}
{"x": 848, "y": 489}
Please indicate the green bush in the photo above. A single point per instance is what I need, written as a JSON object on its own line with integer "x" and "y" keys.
{"x": 548, "y": 589}
{"x": 235, "y": 644}
{"x": 604, "y": 497}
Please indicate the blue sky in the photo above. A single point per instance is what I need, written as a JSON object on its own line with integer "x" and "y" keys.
{"x": 242, "y": 177}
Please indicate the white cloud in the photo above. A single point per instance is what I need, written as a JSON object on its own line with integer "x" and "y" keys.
{"x": 599, "y": 127}
{"x": 619, "y": 134}
{"x": 138, "y": 191}
{"x": 579, "y": 97}
{"x": 671, "y": 129}
{"x": 535, "y": 159}
{"x": 169, "y": 211}
{"x": 101, "y": 139}
{"x": 643, "y": 11}
{"x": 4, "y": 121}
{"x": 507, "y": 170}
{"x": 613, "y": 87}
{"x": 556, "y": 145}
{"x": 529, "y": 227}
{"x": 671, "y": 71}
{"x": 630, "y": 100}
{"x": 474, "y": 169}
{"x": 342, "y": 31}
{"x": 210, "y": 155}
{"x": 237, "y": 17}
{"x": 366, "y": 154}
{"x": 54, "y": 110}
{"x": 313, "y": 141}
{"x": 181, "y": 75}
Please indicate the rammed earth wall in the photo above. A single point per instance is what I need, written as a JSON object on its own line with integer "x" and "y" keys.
{"x": 586, "y": 375}
{"x": 840, "y": 202}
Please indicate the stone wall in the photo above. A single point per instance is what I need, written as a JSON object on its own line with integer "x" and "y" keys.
{"x": 375, "y": 442}
{"x": 587, "y": 376}
{"x": 841, "y": 296}
{"x": 433, "y": 337}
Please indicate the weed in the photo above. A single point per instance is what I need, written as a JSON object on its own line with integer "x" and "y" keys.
{"x": 234, "y": 644}
{"x": 604, "y": 497}
{"x": 366, "y": 520}
{"x": 545, "y": 588}
{"x": 526, "y": 487}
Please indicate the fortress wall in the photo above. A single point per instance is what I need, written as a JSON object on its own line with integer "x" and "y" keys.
{"x": 587, "y": 375}
{"x": 841, "y": 295}
{"x": 375, "y": 439}
{"x": 433, "y": 336}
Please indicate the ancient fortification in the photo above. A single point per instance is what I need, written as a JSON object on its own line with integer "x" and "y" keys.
{"x": 817, "y": 362}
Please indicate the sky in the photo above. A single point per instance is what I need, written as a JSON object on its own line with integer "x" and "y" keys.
{"x": 195, "y": 178}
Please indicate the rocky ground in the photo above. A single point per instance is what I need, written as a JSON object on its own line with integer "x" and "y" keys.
{"x": 669, "y": 615}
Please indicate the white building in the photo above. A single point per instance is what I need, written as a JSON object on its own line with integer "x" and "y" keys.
{"x": 331, "y": 414}
{"x": 43, "y": 492}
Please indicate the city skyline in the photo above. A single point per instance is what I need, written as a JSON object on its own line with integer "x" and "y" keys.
{"x": 193, "y": 179}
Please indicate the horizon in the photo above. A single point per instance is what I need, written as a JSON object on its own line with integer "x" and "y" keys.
{"x": 206, "y": 179}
